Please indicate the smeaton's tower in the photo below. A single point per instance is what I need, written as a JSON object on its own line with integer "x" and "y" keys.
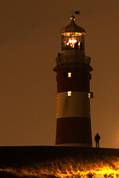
{"x": 73, "y": 74}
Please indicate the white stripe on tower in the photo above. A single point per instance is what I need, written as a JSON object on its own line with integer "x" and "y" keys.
{"x": 75, "y": 105}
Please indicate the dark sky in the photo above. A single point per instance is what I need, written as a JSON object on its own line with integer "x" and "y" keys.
{"x": 29, "y": 42}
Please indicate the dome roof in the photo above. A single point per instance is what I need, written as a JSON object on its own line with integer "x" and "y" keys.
{"x": 73, "y": 27}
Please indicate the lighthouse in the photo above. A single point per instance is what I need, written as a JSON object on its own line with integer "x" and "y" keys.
{"x": 73, "y": 75}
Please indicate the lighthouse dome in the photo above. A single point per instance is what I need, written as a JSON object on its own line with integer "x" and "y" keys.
{"x": 73, "y": 27}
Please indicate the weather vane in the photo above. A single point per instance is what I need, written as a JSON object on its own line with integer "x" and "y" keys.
{"x": 77, "y": 12}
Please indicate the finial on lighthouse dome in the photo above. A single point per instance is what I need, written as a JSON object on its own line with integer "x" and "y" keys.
{"x": 72, "y": 34}
{"x": 72, "y": 18}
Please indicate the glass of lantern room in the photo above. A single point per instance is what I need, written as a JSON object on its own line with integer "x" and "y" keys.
{"x": 71, "y": 40}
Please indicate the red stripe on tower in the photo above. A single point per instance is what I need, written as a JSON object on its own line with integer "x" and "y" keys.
{"x": 73, "y": 89}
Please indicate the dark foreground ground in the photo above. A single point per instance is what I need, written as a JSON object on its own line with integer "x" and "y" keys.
{"x": 45, "y": 156}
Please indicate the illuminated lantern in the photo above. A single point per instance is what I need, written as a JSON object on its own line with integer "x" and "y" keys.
{"x": 73, "y": 36}
{"x": 73, "y": 89}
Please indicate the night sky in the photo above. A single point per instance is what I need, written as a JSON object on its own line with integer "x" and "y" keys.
{"x": 29, "y": 42}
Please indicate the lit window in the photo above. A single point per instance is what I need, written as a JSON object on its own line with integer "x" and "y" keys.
{"x": 69, "y": 93}
{"x": 69, "y": 74}
{"x": 89, "y": 95}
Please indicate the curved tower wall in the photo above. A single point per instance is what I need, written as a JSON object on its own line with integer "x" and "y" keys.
{"x": 73, "y": 98}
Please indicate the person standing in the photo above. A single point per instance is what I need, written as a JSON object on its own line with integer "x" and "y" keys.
{"x": 97, "y": 140}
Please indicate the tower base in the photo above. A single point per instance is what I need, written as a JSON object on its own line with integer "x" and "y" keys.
{"x": 74, "y": 131}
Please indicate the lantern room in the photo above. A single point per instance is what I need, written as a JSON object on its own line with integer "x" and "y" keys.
{"x": 73, "y": 36}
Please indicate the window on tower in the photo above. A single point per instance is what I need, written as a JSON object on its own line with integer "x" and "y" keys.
{"x": 90, "y": 95}
{"x": 69, "y": 93}
{"x": 69, "y": 74}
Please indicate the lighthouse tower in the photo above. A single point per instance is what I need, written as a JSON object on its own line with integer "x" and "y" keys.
{"x": 73, "y": 74}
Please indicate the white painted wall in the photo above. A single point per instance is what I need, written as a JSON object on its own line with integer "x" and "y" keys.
{"x": 76, "y": 105}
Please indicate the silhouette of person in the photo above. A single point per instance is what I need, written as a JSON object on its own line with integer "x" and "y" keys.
{"x": 97, "y": 140}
